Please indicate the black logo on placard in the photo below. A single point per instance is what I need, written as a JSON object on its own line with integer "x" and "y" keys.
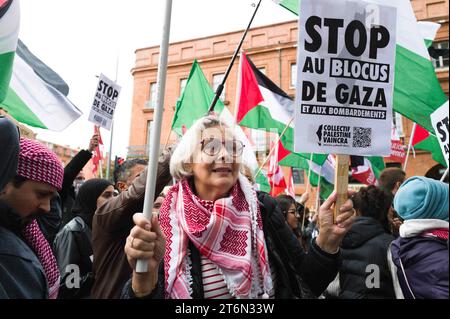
{"x": 334, "y": 135}
{"x": 319, "y": 135}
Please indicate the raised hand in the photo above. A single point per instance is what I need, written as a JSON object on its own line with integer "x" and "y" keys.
{"x": 304, "y": 198}
{"x": 331, "y": 234}
{"x": 145, "y": 242}
{"x": 93, "y": 143}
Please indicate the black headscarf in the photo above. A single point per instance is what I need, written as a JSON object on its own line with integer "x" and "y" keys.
{"x": 9, "y": 146}
{"x": 86, "y": 202}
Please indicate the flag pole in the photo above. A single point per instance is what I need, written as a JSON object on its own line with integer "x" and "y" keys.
{"x": 411, "y": 138}
{"x": 142, "y": 266}
{"x": 341, "y": 182}
{"x": 445, "y": 175}
{"x": 238, "y": 89}
{"x": 318, "y": 189}
{"x": 308, "y": 183}
{"x": 227, "y": 73}
{"x": 100, "y": 167}
{"x": 108, "y": 167}
{"x": 167, "y": 140}
{"x": 273, "y": 148}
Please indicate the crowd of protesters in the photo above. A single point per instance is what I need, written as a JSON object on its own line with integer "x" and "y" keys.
{"x": 213, "y": 235}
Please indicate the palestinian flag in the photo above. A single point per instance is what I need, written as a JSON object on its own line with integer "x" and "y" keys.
{"x": 37, "y": 95}
{"x": 417, "y": 91}
{"x": 263, "y": 105}
{"x": 195, "y": 100}
{"x": 287, "y": 158}
{"x": 423, "y": 140}
{"x": 366, "y": 170}
{"x": 9, "y": 34}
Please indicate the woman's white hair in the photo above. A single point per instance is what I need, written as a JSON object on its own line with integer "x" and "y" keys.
{"x": 188, "y": 145}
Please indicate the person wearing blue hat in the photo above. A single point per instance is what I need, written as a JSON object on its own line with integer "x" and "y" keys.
{"x": 419, "y": 257}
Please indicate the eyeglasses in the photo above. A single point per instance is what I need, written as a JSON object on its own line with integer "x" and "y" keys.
{"x": 213, "y": 146}
{"x": 295, "y": 212}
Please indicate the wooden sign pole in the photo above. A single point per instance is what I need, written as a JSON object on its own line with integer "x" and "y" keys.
{"x": 341, "y": 182}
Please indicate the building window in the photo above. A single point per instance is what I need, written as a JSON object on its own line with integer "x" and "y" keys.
{"x": 151, "y": 103}
{"x": 298, "y": 175}
{"x": 394, "y": 164}
{"x": 442, "y": 61}
{"x": 183, "y": 83}
{"x": 217, "y": 80}
{"x": 293, "y": 75}
{"x": 149, "y": 132}
{"x": 398, "y": 123}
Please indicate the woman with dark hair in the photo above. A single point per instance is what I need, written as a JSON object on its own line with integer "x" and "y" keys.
{"x": 364, "y": 248}
{"x": 291, "y": 212}
{"x": 73, "y": 243}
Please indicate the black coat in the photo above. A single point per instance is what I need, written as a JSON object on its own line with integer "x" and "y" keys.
{"x": 21, "y": 273}
{"x": 365, "y": 244}
{"x": 73, "y": 246}
{"x": 67, "y": 191}
{"x": 299, "y": 275}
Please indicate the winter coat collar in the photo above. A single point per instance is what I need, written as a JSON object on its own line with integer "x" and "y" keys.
{"x": 415, "y": 227}
{"x": 10, "y": 219}
{"x": 363, "y": 229}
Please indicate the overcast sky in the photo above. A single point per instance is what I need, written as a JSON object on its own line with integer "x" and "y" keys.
{"x": 81, "y": 39}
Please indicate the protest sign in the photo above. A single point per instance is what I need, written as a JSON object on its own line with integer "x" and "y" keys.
{"x": 398, "y": 153}
{"x": 346, "y": 63}
{"x": 105, "y": 102}
{"x": 439, "y": 119}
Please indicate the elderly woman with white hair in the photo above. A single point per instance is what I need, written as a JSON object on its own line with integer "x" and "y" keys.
{"x": 218, "y": 238}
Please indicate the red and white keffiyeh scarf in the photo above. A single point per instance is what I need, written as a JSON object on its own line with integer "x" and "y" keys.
{"x": 229, "y": 233}
{"x": 41, "y": 248}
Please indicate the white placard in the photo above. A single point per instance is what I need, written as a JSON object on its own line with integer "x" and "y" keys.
{"x": 439, "y": 119}
{"x": 105, "y": 102}
{"x": 346, "y": 63}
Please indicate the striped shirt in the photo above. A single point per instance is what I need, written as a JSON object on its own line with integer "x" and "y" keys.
{"x": 214, "y": 285}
